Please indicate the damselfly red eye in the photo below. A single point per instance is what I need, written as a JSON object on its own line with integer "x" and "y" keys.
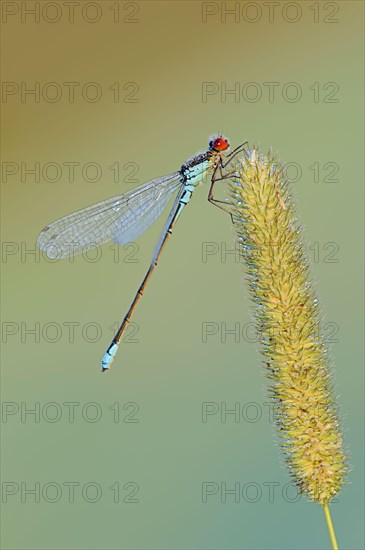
{"x": 219, "y": 143}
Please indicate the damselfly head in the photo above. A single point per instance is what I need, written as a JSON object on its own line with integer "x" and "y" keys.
{"x": 219, "y": 143}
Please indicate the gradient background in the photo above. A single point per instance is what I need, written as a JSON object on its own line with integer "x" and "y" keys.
{"x": 169, "y": 52}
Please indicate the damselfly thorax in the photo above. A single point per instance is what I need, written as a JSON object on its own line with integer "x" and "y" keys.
{"x": 195, "y": 170}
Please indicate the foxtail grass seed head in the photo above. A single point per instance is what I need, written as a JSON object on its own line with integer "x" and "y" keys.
{"x": 286, "y": 312}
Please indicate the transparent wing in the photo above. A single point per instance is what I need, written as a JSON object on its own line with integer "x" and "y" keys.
{"x": 126, "y": 232}
{"x": 120, "y": 218}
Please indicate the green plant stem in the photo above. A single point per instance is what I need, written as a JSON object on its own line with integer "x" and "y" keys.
{"x": 330, "y": 527}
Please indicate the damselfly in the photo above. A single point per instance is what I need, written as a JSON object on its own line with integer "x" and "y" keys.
{"x": 124, "y": 218}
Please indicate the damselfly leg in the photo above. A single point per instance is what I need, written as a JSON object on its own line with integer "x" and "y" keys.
{"x": 223, "y": 205}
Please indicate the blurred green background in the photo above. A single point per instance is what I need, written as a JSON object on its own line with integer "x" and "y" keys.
{"x": 140, "y": 427}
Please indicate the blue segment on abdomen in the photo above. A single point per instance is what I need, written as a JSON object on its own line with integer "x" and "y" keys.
{"x": 109, "y": 356}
